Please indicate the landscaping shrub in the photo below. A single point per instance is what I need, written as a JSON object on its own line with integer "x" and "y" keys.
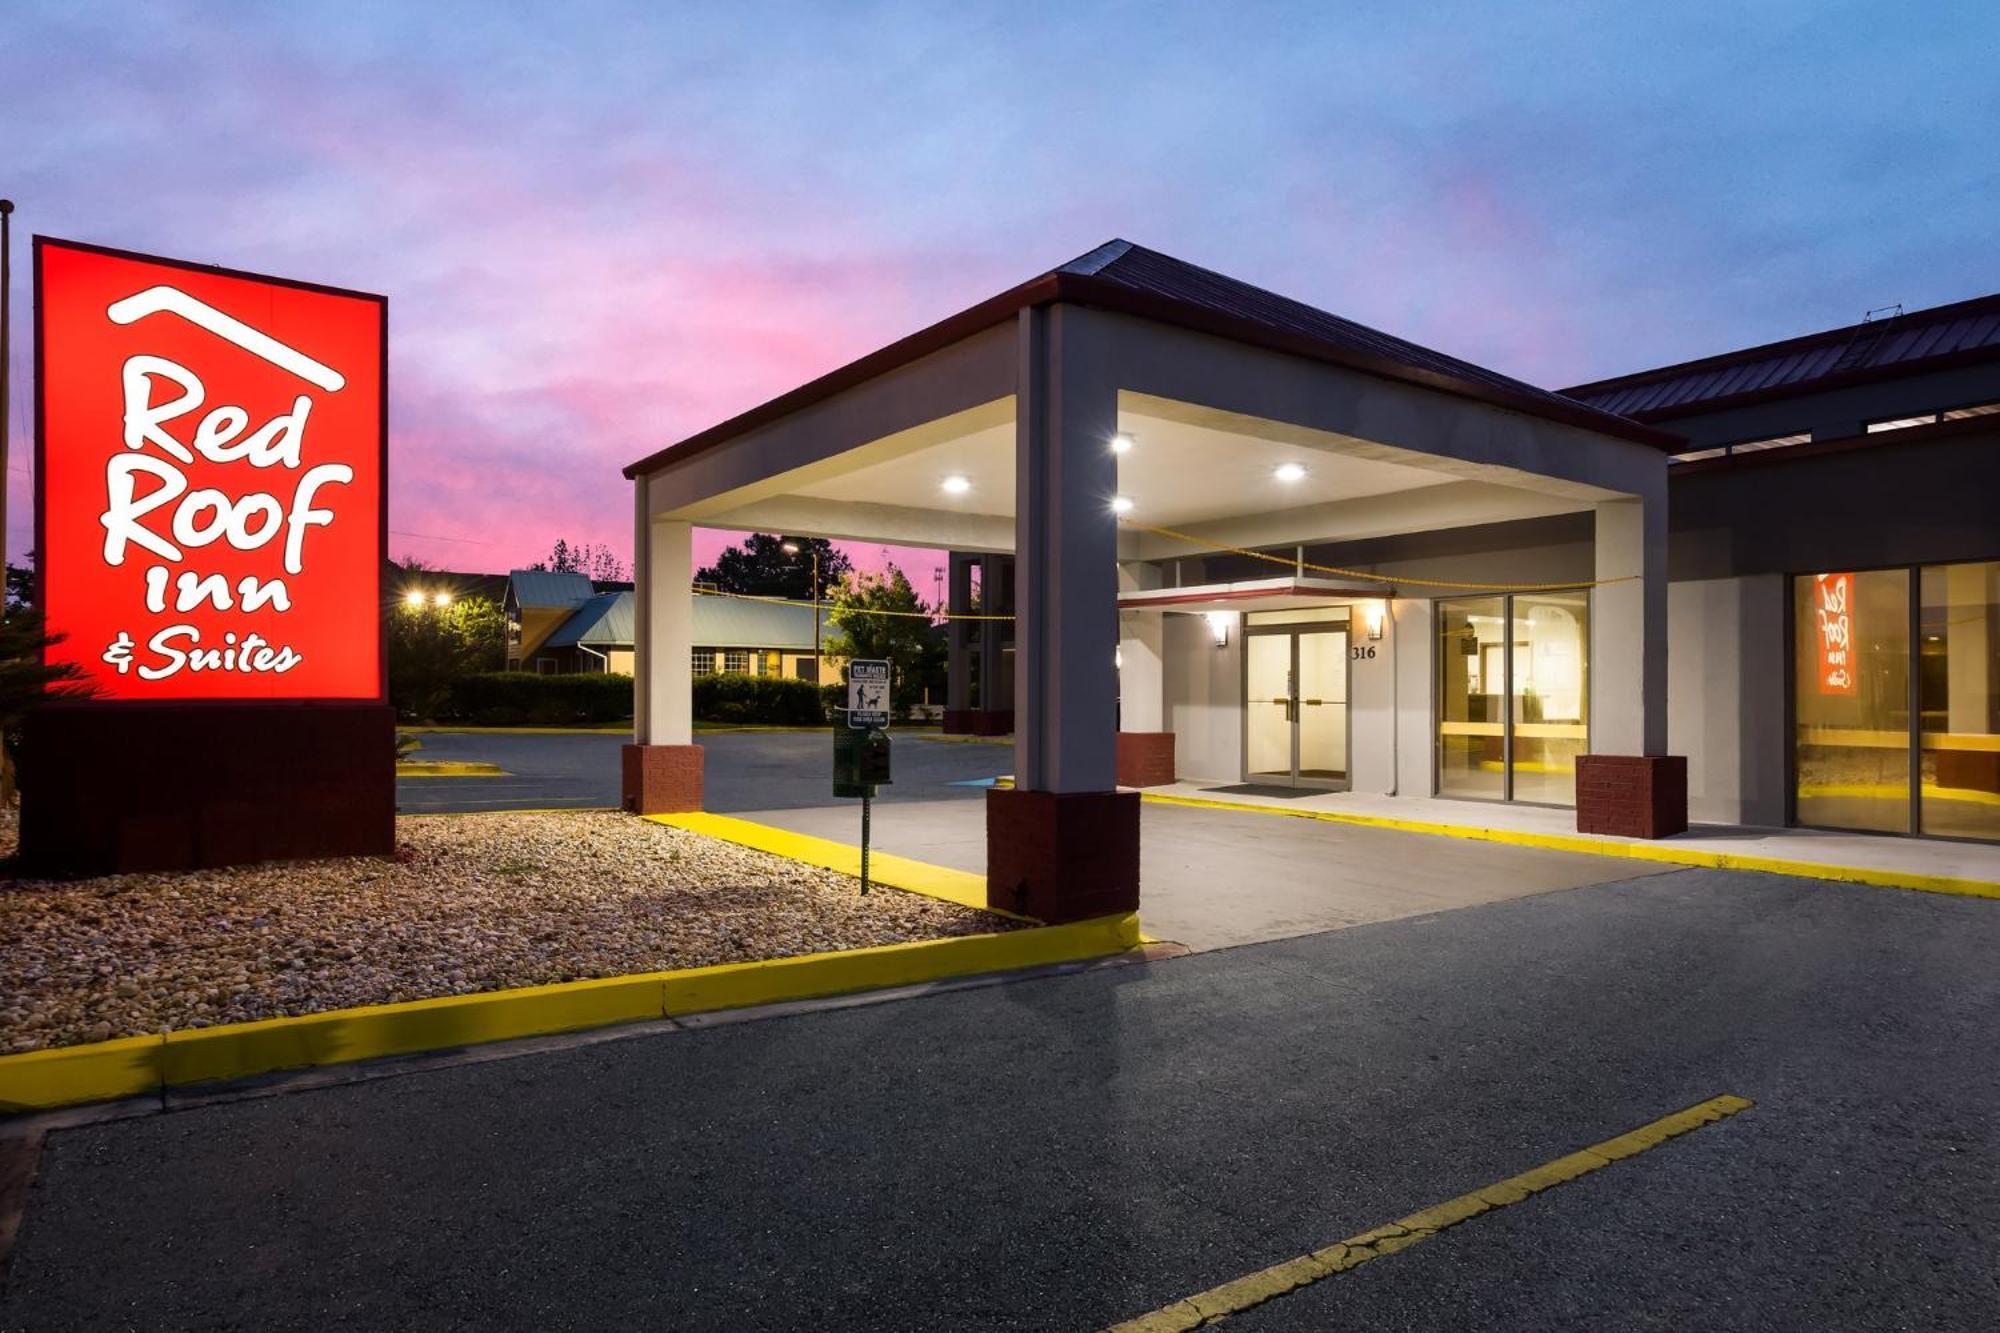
{"x": 778, "y": 701}
{"x": 522, "y": 698}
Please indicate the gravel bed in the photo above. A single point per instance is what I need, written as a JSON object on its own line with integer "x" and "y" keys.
{"x": 470, "y": 903}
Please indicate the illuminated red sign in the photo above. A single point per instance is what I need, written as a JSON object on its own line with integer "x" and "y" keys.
{"x": 1833, "y": 602}
{"x": 210, "y": 466}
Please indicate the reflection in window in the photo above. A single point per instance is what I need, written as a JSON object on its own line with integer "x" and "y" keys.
{"x": 1959, "y": 682}
{"x": 1851, "y": 699}
{"x": 1472, "y": 681}
{"x": 1513, "y": 680}
{"x": 1551, "y": 694}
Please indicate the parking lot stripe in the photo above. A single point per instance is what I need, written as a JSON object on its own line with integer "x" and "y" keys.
{"x": 1240, "y": 1294}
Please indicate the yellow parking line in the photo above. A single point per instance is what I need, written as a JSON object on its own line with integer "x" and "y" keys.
{"x": 1234, "y": 1297}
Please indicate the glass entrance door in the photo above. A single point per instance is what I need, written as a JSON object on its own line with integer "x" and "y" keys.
{"x": 1295, "y": 706}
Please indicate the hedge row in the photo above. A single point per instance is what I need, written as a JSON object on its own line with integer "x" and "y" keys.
{"x": 767, "y": 700}
{"x": 515, "y": 698}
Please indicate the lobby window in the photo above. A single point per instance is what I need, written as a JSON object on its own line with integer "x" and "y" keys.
{"x": 1513, "y": 695}
{"x": 1744, "y": 447}
{"x": 1771, "y": 442}
{"x": 1896, "y": 700}
{"x": 736, "y": 661}
{"x": 702, "y": 661}
{"x": 1958, "y": 668}
{"x": 1901, "y": 423}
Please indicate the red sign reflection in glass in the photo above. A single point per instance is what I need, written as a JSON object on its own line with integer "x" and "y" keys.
{"x": 1833, "y": 602}
{"x": 211, "y": 467}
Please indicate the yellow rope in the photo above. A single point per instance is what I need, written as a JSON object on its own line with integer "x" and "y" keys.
{"x": 1396, "y": 579}
{"x": 944, "y": 616}
{"x": 836, "y": 609}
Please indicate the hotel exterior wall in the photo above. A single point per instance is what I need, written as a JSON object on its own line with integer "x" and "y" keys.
{"x": 1842, "y": 412}
{"x": 1922, "y": 500}
{"x": 1741, "y": 527}
{"x": 1726, "y": 696}
{"x": 1204, "y": 698}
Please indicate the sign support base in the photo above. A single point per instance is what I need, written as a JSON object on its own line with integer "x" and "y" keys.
{"x": 131, "y": 787}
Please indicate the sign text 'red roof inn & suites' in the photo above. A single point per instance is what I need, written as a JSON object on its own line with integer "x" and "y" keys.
{"x": 211, "y": 468}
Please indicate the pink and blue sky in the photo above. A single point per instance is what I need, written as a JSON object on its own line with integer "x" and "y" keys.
{"x": 603, "y": 227}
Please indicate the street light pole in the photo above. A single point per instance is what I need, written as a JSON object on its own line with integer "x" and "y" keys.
{"x": 793, "y": 548}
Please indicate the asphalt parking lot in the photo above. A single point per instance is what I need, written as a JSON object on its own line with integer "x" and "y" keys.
{"x": 742, "y": 771}
{"x": 1066, "y": 1152}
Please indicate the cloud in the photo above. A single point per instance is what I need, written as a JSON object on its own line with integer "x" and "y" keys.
{"x": 604, "y": 228}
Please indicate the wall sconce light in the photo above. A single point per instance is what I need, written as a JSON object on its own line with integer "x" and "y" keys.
{"x": 1218, "y": 627}
{"x": 1372, "y": 616}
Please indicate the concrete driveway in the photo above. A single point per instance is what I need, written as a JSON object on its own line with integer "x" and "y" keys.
{"x": 1209, "y": 879}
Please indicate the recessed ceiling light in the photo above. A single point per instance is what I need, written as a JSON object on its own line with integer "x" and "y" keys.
{"x": 1289, "y": 472}
{"x": 1121, "y": 443}
{"x": 956, "y": 485}
{"x": 1121, "y": 504}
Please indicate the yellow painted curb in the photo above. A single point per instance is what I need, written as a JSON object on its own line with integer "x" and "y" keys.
{"x": 237, "y": 1050}
{"x": 447, "y": 768}
{"x": 100, "y": 1072}
{"x": 622, "y": 730}
{"x": 1665, "y": 852}
{"x": 898, "y": 872}
{"x": 1243, "y": 1293}
{"x": 130, "y": 1066}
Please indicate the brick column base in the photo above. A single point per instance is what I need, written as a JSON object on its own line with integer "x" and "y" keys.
{"x": 256, "y": 782}
{"x": 662, "y": 779}
{"x": 1062, "y": 856}
{"x": 957, "y": 722}
{"x": 1632, "y": 796}
{"x": 991, "y": 721}
{"x": 1145, "y": 758}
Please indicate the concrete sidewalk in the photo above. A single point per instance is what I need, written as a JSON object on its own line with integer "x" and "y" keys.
{"x": 1213, "y": 879}
{"x": 1978, "y": 862}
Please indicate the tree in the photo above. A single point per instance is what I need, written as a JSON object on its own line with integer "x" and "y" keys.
{"x": 880, "y": 615}
{"x": 26, "y": 683}
{"x": 597, "y": 562}
{"x": 21, "y": 584}
{"x": 431, "y": 646}
{"x": 762, "y": 567}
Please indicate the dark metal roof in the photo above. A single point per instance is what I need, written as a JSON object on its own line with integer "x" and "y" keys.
{"x": 1142, "y": 270}
{"x": 1895, "y": 345}
{"x": 1131, "y": 279}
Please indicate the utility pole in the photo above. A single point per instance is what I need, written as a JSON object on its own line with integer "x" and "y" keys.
{"x": 6, "y": 369}
{"x": 792, "y": 548}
